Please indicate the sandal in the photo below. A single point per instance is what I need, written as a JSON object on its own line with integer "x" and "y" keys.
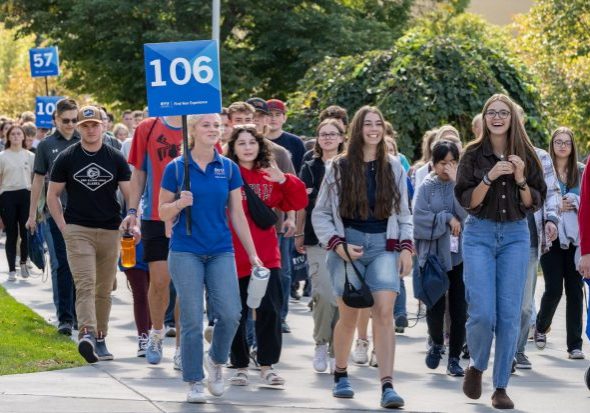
{"x": 240, "y": 378}
{"x": 271, "y": 378}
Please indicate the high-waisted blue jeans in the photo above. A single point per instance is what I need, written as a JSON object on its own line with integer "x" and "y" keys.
{"x": 495, "y": 258}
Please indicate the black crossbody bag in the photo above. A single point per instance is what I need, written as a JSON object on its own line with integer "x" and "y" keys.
{"x": 263, "y": 216}
{"x": 353, "y": 297}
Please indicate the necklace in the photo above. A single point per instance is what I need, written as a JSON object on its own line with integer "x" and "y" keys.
{"x": 89, "y": 153}
{"x": 562, "y": 176}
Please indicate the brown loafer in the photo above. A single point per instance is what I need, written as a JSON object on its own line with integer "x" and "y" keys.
{"x": 472, "y": 383}
{"x": 500, "y": 400}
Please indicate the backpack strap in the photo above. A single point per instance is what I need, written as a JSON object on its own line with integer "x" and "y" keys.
{"x": 151, "y": 130}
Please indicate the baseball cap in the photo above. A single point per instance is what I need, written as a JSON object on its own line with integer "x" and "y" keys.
{"x": 89, "y": 114}
{"x": 259, "y": 104}
{"x": 276, "y": 104}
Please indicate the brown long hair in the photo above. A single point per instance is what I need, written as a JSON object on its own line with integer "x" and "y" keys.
{"x": 573, "y": 175}
{"x": 350, "y": 174}
{"x": 518, "y": 142}
{"x": 264, "y": 154}
{"x": 13, "y": 127}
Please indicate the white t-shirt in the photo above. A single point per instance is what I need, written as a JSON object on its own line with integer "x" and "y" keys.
{"x": 16, "y": 170}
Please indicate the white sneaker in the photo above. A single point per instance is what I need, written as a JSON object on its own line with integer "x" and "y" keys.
{"x": 177, "y": 359}
{"x": 332, "y": 364}
{"x": 12, "y": 276}
{"x": 214, "y": 377}
{"x": 373, "y": 360}
{"x": 196, "y": 393}
{"x": 576, "y": 354}
{"x": 208, "y": 334}
{"x": 320, "y": 358}
{"x": 24, "y": 271}
{"x": 360, "y": 354}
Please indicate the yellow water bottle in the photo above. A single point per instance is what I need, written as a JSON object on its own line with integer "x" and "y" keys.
{"x": 127, "y": 250}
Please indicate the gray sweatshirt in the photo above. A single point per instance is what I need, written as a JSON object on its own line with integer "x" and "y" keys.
{"x": 435, "y": 203}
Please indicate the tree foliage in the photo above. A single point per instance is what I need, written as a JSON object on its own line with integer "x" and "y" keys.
{"x": 441, "y": 71}
{"x": 265, "y": 47}
{"x": 554, "y": 40}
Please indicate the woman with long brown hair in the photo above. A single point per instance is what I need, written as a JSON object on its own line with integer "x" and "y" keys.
{"x": 362, "y": 217}
{"x": 499, "y": 180}
{"x": 559, "y": 264}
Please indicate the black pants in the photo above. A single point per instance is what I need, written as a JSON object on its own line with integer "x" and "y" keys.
{"x": 66, "y": 291}
{"x": 559, "y": 270}
{"x": 457, "y": 310}
{"x": 267, "y": 325}
{"x": 14, "y": 209}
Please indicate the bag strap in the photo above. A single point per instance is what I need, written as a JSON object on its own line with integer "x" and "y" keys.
{"x": 432, "y": 234}
{"x": 147, "y": 140}
{"x": 356, "y": 271}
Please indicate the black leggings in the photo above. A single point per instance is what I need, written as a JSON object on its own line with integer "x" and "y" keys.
{"x": 559, "y": 271}
{"x": 457, "y": 310}
{"x": 14, "y": 210}
{"x": 267, "y": 325}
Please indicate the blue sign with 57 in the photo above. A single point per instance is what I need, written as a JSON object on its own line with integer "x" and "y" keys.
{"x": 44, "y": 61}
{"x": 182, "y": 78}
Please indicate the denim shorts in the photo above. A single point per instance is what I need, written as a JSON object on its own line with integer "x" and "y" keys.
{"x": 377, "y": 266}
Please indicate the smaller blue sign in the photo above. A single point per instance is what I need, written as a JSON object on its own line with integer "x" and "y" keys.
{"x": 44, "y": 108}
{"x": 44, "y": 62}
{"x": 182, "y": 78}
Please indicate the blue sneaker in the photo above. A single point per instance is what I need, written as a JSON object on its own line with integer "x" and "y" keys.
{"x": 342, "y": 389}
{"x": 391, "y": 400}
{"x": 434, "y": 355}
{"x": 153, "y": 353}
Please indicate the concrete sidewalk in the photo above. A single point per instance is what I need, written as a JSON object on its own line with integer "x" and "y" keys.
{"x": 129, "y": 384}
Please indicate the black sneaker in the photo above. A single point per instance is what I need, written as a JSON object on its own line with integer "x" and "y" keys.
{"x": 434, "y": 355}
{"x": 454, "y": 368}
{"x": 401, "y": 323}
{"x": 101, "y": 349}
{"x": 587, "y": 378}
{"x": 87, "y": 348}
{"x": 65, "y": 329}
{"x": 466, "y": 355}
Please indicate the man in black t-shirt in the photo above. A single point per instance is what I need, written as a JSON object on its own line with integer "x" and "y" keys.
{"x": 90, "y": 172}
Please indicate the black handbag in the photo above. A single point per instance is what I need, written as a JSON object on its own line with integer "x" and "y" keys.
{"x": 353, "y": 297}
{"x": 432, "y": 281}
{"x": 263, "y": 216}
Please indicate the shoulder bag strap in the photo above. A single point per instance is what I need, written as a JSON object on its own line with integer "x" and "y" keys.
{"x": 356, "y": 271}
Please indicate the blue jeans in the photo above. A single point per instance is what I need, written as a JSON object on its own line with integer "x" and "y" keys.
{"x": 528, "y": 300}
{"x": 169, "y": 317}
{"x": 494, "y": 275}
{"x": 286, "y": 245}
{"x": 44, "y": 228}
{"x": 400, "y": 303}
{"x": 192, "y": 274}
{"x": 66, "y": 310}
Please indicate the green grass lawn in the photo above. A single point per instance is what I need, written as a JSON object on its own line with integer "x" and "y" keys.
{"x": 28, "y": 344}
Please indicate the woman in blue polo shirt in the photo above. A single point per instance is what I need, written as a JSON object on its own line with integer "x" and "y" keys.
{"x": 205, "y": 259}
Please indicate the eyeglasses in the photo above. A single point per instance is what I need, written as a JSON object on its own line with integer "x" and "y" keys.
{"x": 67, "y": 121}
{"x": 561, "y": 144}
{"x": 502, "y": 114}
{"x": 331, "y": 135}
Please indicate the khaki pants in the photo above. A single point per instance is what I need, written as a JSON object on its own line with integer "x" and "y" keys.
{"x": 325, "y": 310}
{"x": 92, "y": 255}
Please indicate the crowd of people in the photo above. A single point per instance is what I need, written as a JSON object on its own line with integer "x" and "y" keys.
{"x": 255, "y": 198}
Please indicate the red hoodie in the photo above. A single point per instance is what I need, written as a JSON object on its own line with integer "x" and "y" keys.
{"x": 290, "y": 196}
{"x": 584, "y": 212}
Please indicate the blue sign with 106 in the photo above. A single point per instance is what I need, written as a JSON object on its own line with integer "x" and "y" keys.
{"x": 182, "y": 78}
{"x": 44, "y": 108}
{"x": 44, "y": 62}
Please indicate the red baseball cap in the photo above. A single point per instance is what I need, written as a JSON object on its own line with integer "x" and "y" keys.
{"x": 276, "y": 104}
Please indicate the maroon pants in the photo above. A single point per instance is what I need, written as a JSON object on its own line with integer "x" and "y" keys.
{"x": 139, "y": 280}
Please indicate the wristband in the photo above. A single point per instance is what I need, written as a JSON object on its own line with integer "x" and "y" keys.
{"x": 132, "y": 211}
{"x": 298, "y": 235}
{"x": 486, "y": 180}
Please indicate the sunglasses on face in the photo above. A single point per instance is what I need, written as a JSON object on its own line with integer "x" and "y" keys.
{"x": 67, "y": 121}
